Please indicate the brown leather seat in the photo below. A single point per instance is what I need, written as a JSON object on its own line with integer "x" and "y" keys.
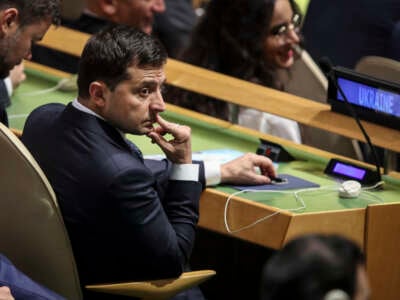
{"x": 380, "y": 67}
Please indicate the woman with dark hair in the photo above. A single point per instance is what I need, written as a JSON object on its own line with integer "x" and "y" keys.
{"x": 316, "y": 267}
{"x": 249, "y": 39}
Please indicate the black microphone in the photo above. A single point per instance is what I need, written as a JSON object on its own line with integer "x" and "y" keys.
{"x": 328, "y": 69}
{"x": 326, "y": 66}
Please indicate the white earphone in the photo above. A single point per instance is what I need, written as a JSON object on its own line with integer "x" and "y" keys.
{"x": 350, "y": 189}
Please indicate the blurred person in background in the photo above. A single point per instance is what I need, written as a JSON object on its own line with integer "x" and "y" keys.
{"x": 174, "y": 26}
{"x": 346, "y": 31}
{"x": 97, "y": 15}
{"x": 22, "y": 24}
{"x": 254, "y": 40}
{"x": 316, "y": 267}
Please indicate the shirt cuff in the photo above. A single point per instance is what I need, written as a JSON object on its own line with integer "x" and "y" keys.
{"x": 185, "y": 172}
{"x": 8, "y": 83}
{"x": 212, "y": 172}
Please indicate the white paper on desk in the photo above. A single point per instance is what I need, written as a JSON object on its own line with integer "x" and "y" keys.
{"x": 214, "y": 155}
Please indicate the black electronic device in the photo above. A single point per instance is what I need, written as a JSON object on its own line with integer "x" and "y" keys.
{"x": 374, "y": 100}
{"x": 329, "y": 71}
{"x": 348, "y": 171}
{"x": 273, "y": 151}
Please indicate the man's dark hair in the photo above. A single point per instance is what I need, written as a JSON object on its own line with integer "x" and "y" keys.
{"x": 32, "y": 11}
{"x": 310, "y": 266}
{"x": 109, "y": 53}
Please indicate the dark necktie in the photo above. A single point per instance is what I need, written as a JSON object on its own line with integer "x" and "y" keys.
{"x": 135, "y": 150}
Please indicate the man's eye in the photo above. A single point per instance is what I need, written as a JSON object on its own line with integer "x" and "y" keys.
{"x": 144, "y": 91}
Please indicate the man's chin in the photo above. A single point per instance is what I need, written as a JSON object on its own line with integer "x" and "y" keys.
{"x": 143, "y": 131}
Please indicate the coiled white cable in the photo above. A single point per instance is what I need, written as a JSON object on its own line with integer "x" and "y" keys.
{"x": 298, "y": 198}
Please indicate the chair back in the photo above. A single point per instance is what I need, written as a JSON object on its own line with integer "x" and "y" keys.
{"x": 379, "y": 67}
{"x": 308, "y": 81}
{"x": 32, "y": 231}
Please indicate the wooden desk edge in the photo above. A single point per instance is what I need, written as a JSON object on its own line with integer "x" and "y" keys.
{"x": 234, "y": 90}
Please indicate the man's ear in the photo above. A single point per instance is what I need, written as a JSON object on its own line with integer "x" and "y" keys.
{"x": 109, "y": 7}
{"x": 97, "y": 91}
{"x": 8, "y": 20}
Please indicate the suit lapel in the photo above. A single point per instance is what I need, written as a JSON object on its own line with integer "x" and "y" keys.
{"x": 88, "y": 122}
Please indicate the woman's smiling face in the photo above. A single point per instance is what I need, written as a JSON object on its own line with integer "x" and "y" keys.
{"x": 282, "y": 36}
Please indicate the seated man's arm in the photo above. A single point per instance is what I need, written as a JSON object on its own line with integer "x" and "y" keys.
{"x": 21, "y": 286}
{"x": 162, "y": 229}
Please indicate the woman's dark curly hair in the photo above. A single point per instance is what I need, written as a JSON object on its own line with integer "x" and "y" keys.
{"x": 229, "y": 39}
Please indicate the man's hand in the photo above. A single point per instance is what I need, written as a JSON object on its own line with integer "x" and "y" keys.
{"x": 17, "y": 75}
{"x": 179, "y": 149}
{"x": 5, "y": 293}
{"x": 242, "y": 170}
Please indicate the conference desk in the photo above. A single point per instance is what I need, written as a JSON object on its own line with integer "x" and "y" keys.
{"x": 372, "y": 222}
{"x": 243, "y": 93}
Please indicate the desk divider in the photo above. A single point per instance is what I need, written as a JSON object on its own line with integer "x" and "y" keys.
{"x": 244, "y": 93}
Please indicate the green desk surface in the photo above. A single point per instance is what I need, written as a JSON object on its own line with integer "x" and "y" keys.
{"x": 34, "y": 92}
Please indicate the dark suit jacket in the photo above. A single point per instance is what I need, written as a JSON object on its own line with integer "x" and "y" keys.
{"x": 4, "y": 102}
{"x": 345, "y": 30}
{"x": 126, "y": 220}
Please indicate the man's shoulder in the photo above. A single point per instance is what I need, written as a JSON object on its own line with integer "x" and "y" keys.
{"x": 41, "y": 120}
{"x": 47, "y": 108}
{"x": 44, "y": 114}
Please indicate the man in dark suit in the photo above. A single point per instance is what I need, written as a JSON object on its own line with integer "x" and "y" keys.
{"x": 128, "y": 218}
{"x": 345, "y": 31}
{"x": 22, "y": 24}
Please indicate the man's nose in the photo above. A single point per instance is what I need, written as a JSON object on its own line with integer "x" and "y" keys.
{"x": 158, "y": 103}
